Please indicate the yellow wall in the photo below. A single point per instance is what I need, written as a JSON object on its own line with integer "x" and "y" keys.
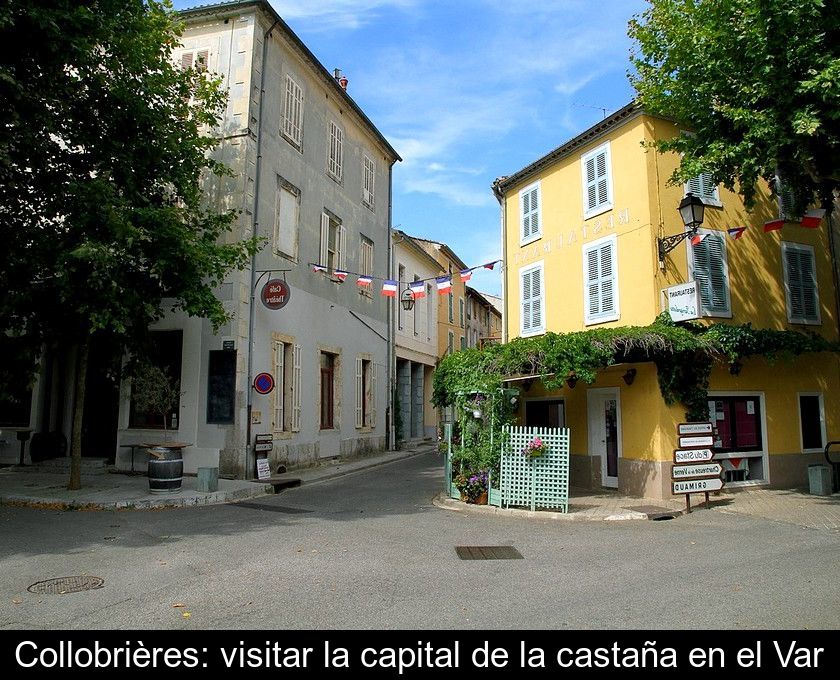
{"x": 645, "y": 208}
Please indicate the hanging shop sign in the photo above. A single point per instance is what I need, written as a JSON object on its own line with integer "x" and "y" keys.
{"x": 275, "y": 294}
{"x": 264, "y": 383}
{"x": 683, "y": 301}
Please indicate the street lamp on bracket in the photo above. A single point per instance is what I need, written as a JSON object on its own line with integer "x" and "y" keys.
{"x": 692, "y": 211}
{"x": 407, "y": 299}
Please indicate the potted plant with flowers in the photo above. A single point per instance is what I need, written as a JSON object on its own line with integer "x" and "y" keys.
{"x": 473, "y": 486}
{"x": 535, "y": 448}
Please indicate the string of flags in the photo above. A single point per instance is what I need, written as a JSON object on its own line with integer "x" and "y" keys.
{"x": 391, "y": 287}
{"x": 810, "y": 220}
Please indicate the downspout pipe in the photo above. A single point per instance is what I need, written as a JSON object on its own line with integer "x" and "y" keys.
{"x": 252, "y": 312}
{"x": 497, "y": 192}
{"x": 390, "y": 437}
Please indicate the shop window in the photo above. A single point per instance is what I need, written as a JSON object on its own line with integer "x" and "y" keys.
{"x": 738, "y": 442}
{"x": 165, "y": 352}
{"x": 221, "y": 386}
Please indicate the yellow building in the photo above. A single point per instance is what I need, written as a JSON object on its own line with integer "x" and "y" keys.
{"x": 581, "y": 238}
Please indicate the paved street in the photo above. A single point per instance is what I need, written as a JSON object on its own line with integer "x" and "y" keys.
{"x": 370, "y": 550}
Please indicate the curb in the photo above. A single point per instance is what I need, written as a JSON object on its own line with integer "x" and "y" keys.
{"x": 446, "y": 503}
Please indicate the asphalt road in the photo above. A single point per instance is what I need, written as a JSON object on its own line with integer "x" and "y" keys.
{"x": 369, "y": 550}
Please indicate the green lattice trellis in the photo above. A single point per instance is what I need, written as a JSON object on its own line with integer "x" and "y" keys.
{"x": 541, "y": 482}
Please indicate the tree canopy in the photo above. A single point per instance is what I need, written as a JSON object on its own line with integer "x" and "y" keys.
{"x": 105, "y": 149}
{"x": 756, "y": 81}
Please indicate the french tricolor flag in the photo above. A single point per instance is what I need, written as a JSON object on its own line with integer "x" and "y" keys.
{"x": 466, "y": 274}
{"x": 364, "y": 281}
{"x": 444, "y": 284}
{"x": 812, "y": 219}
{"x": 318, "y": 268}
{"x": 340, "y": 274}
{"x": 697, "y": 239}
{"x": 418, "y": 289}
{"x": 736, "y": 232}
{"x": 773, "y": 225}
{"x": 389, "y": 288}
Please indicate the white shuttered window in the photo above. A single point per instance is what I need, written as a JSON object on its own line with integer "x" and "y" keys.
{"x": 368, "y": 181}
{"x": 801, "y": 294}
{"x": 600, "y": 281}
{"x": 333, "y": 243}
{"x": 335, "y": 151}
{"x": 279, "y": 393}
{"x": 296, "y": 388}
{"x": 597, "y": 183}
{"x": 710, "y": 269}
{"x": 293, "y": 112}
{"x": 532, "y": 287}
{"x": 286, "y": 215}
{"x": 529, "y": 214}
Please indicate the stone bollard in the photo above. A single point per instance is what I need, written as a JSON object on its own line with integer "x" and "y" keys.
{"x": 208, "y": 479}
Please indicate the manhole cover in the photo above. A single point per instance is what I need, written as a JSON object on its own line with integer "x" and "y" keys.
{"x": 488, "y": 552}
{"x": 66, "y": 584}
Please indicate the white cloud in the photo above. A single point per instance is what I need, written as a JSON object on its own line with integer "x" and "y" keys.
{"x": 336, "y": 14}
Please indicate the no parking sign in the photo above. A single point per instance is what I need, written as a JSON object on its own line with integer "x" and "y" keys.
{"x": 264, "y": 383}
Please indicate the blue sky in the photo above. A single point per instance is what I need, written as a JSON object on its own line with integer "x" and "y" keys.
{"x": 467, "y": 91}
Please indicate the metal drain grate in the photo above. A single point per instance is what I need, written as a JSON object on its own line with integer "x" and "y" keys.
{"x": 488, "y": 552}
{"x": 66, "y": 584}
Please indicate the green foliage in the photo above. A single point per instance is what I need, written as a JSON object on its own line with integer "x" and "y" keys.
{"x": 684, "y": 356}
{"x": 756, "y": 81}
{"x": 153, "y": 389}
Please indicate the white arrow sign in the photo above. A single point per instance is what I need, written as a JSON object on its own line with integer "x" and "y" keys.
{"x": 693, "y": 455}
{"x": 694, "y": 428}
{"x": 698, "y": 440}
{"x": 697, "y": 485}
{"x": 694, "y": 471}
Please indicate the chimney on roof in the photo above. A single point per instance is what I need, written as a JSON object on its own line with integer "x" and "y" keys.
{"x": 340, "y": 78}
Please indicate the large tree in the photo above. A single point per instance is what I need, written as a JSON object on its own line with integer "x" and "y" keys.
{"x": 105, "y": 148}
{"x": 758, "y": 83}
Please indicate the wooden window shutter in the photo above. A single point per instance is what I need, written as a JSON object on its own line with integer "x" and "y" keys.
{"x": 293, "y": 111}
{"x": 342, "y": 248}
{"x": 593, "y": 290}
{"x": 325, "y": 239}
{"x": 360, "y": 388}
{"x": 601, "y": 282}
{"x": 596, "y": 179}
{"x": 526, "y": 301}
{"x": 530, "y": 205}
{"x": 536, "y": 299}
{"x": 607, "y": 279}
{"x": 202, "y": 58}
{"x": 296, "y": 388}
{"x": 187, "y": 60}
{"x": 279, "y": 385}
{"x": 711, "y": 275}
{"x": 801, "y": 285}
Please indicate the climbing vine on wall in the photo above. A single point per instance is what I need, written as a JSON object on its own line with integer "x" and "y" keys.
{"x": 684, "y": 356}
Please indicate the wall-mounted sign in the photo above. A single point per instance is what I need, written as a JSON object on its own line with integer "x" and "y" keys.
{"x": 683, "y": 301}
{"x": 228, "y": 345}
{"x": 275, "y": 294}
{"x": 263, "y": 442}
{"x": 264, "y": 383}
{"x": 263, "y": 468}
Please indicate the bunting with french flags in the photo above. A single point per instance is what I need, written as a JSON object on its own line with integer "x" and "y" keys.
{"x": 773, "y": 225}
{"x": 698, "y": 239}
{"x": 418, "y": 289}
{"x": 812, "y": 219}
{"x": 389, "y": 288}
{"x": 340, "y": 274}
{"x": 364, "y": 281}
{"x": 444, "y": 284}
{"x": 318, "y": 268}
{"x": 736, "y": 232}
{"x": 466, "y": 274}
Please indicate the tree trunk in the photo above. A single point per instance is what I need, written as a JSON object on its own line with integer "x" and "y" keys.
{"x": 78, "y": 416}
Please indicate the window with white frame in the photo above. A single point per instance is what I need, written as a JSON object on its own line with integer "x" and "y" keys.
{"x": 597, "y": 183}
{"x": 708, "y": 266}
{"x": 286, "y": 393}
{"x": 531, "y": 293}
{"x": 812, "y": 421}
{"x": 368, "y": 180}
{"x": 365, "y": 392}
{"x": 333, "y": 246}
{"x": 785, "y": 198}
{"x": 198, "y": 59}
{"x": 365, "y": 262}
{"x": 801, "y": 293}
{"x": 293, "y": 113}
{"x": 704, "y": 188}
{"x": 738, "y": 434}
{"x": 530, "y": 221}
{"x": 286, "y": 218}
{"x": 600, "y": 281}
{"x": 335, "y": 152}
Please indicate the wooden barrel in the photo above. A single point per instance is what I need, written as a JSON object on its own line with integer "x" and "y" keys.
{"x": 167, "y": 471}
